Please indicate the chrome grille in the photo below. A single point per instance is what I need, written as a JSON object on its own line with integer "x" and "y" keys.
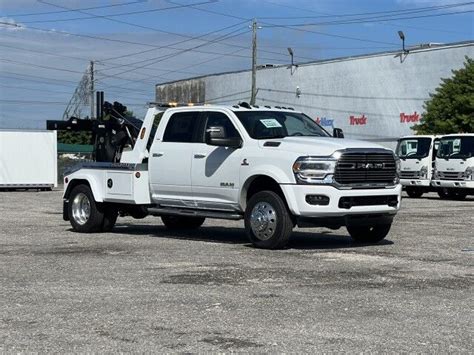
{"x": 361, "y": 168}
{"x": 409, "y": 174}
{"x": 451, "y": 175}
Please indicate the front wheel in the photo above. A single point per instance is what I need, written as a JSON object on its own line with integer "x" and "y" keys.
{"x": 268, "y": 222}
{"x": 414, "y": 192}
{"x": 369, "y": 234}
{"x": 456, "y": 194}
{"x": 443, "y": 193}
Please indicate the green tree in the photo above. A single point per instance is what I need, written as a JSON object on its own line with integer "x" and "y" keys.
{"x": 451, "y": 108}
{"x": 70, "y": 137}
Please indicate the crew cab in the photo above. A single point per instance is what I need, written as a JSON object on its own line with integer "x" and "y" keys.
{"x": 273, "y": 167}
{"x": 417, "y": 158}
{"x": 454, "y": 171}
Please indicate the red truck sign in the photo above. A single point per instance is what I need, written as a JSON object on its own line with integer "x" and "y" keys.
{"x": 354, "y": 120}
{"x": 404, "y": 118}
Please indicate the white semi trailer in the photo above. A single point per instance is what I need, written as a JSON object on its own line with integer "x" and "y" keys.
{"x": 28, "y": 159}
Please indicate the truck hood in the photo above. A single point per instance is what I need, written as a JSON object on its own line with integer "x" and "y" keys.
{"x": 321, "y": 146}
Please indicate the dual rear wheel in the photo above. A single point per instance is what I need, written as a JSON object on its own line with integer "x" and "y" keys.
{"x": 88, "y": 216}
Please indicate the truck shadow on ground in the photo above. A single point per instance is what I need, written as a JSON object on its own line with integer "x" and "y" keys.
{"x": 231, "y": 235}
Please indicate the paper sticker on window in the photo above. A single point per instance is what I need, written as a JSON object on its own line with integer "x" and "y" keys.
{"x": 271, "y": 123}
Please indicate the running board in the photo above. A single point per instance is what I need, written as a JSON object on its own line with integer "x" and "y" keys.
{"x": 157, "y": 211}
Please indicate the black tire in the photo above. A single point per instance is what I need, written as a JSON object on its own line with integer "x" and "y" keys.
{"x": 94, "y": 221}
{"x": 456, "y": 194}
{"x": 263, "y": 230}
{"x": 369, "y": 234}
{"x": 414, "y": 192}
{"x": 443, "y": 193}
{"x": 182, "y": 222}
{"x": 110, "y": 217}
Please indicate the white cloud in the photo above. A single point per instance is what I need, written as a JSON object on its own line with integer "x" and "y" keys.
{"x": 10, "y": 24}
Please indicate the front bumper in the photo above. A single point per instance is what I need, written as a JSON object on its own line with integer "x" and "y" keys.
{"x": 415, "y": 182}
{"x": 338, "y": 200}
{"x": 453, "y": 184}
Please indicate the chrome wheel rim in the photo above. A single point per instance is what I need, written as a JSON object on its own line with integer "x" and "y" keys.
{"x": 81, "y": 208}
{"x": 263, "y": 220}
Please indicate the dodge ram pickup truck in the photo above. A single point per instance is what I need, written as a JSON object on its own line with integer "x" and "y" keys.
{"x": 273, "y": 167}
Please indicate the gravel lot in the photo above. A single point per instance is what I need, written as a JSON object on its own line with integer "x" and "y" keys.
{"x": 142, "y": 288}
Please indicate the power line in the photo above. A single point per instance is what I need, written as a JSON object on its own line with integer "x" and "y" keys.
{"x": 44, "y": 52}
{"x": 366, "y": 20}
{"x": 326, "y": 15}
{"x": 40, "y": 66}
{"x": 93, "y": 16}
{"x": 107, "y": 17}
{"x": 37, "y": 77}
{"x": 168, "y": 56}
{"x": 77, "y": 58}
{"x": 39, "y": 102}
{"x": 62, "y": 11}
{"x": 203, "y": 62}
{"x": 35, "y": 89}
{"x": 271, "y": 24}
{"x": 179, "y": 42}
{"x": 42, "y": 89}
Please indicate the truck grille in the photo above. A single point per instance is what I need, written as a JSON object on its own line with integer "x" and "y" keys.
{"x": 409, "y": 174}
{"x": 451, "y": 175}
{"x": 355, "y": 168}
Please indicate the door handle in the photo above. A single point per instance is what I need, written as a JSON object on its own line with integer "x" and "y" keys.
{"x": 199, "y": 156}
{"x": 157, "y": 155}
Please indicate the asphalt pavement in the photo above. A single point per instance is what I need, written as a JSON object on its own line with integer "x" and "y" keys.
{"x": 142, "y": 288}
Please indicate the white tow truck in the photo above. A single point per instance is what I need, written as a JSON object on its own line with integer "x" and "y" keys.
{"x": 454, "y": 171}
{"x": 271, "y": 166}
{"x": 417, "y": 159}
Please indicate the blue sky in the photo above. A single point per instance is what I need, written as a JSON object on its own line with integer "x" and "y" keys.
{"x": 42, "y": 61}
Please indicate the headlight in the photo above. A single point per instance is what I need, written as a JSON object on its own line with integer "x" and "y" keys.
{"x": 435, "y": 174}
{"x": 314, "y": 170}
{"x": 468, "y": 175}
{"x": 398, "y": 171}
{"x": 424, "y": 172}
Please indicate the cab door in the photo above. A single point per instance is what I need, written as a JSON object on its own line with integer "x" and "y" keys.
{"x": 216, "y": 170}
{"x": 170, "y": 161}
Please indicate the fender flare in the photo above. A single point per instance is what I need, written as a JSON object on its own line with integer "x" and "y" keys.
{"x": 91, "y": 181}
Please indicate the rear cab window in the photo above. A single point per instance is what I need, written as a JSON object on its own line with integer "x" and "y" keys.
{"x": 182, "y": 128}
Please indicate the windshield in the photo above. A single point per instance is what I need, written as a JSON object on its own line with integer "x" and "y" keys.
{"x": 414, "y": 148}
{"x": 456, "y": 147}
{"x": 268, "y": 124}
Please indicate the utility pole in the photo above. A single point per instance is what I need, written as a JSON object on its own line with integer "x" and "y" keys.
{"x": 254, "y": 62}
{"x": 92, "y": 88}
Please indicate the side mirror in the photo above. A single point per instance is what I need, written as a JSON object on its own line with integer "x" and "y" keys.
{"x": 337, "y": 133}
{"x": 216, "y": 136}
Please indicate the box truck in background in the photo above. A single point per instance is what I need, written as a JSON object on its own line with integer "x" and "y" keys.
{"x": 417, "y": 156}
{"x": 28, "y": 159}
{"x": 454, "y": 173}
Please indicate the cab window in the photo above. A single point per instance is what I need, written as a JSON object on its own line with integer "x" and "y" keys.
{"x": 181, "y": 128}
{"x": 213, "y": 119}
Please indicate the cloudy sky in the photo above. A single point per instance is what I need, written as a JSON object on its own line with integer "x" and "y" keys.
{"x": 46, "y": 45}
